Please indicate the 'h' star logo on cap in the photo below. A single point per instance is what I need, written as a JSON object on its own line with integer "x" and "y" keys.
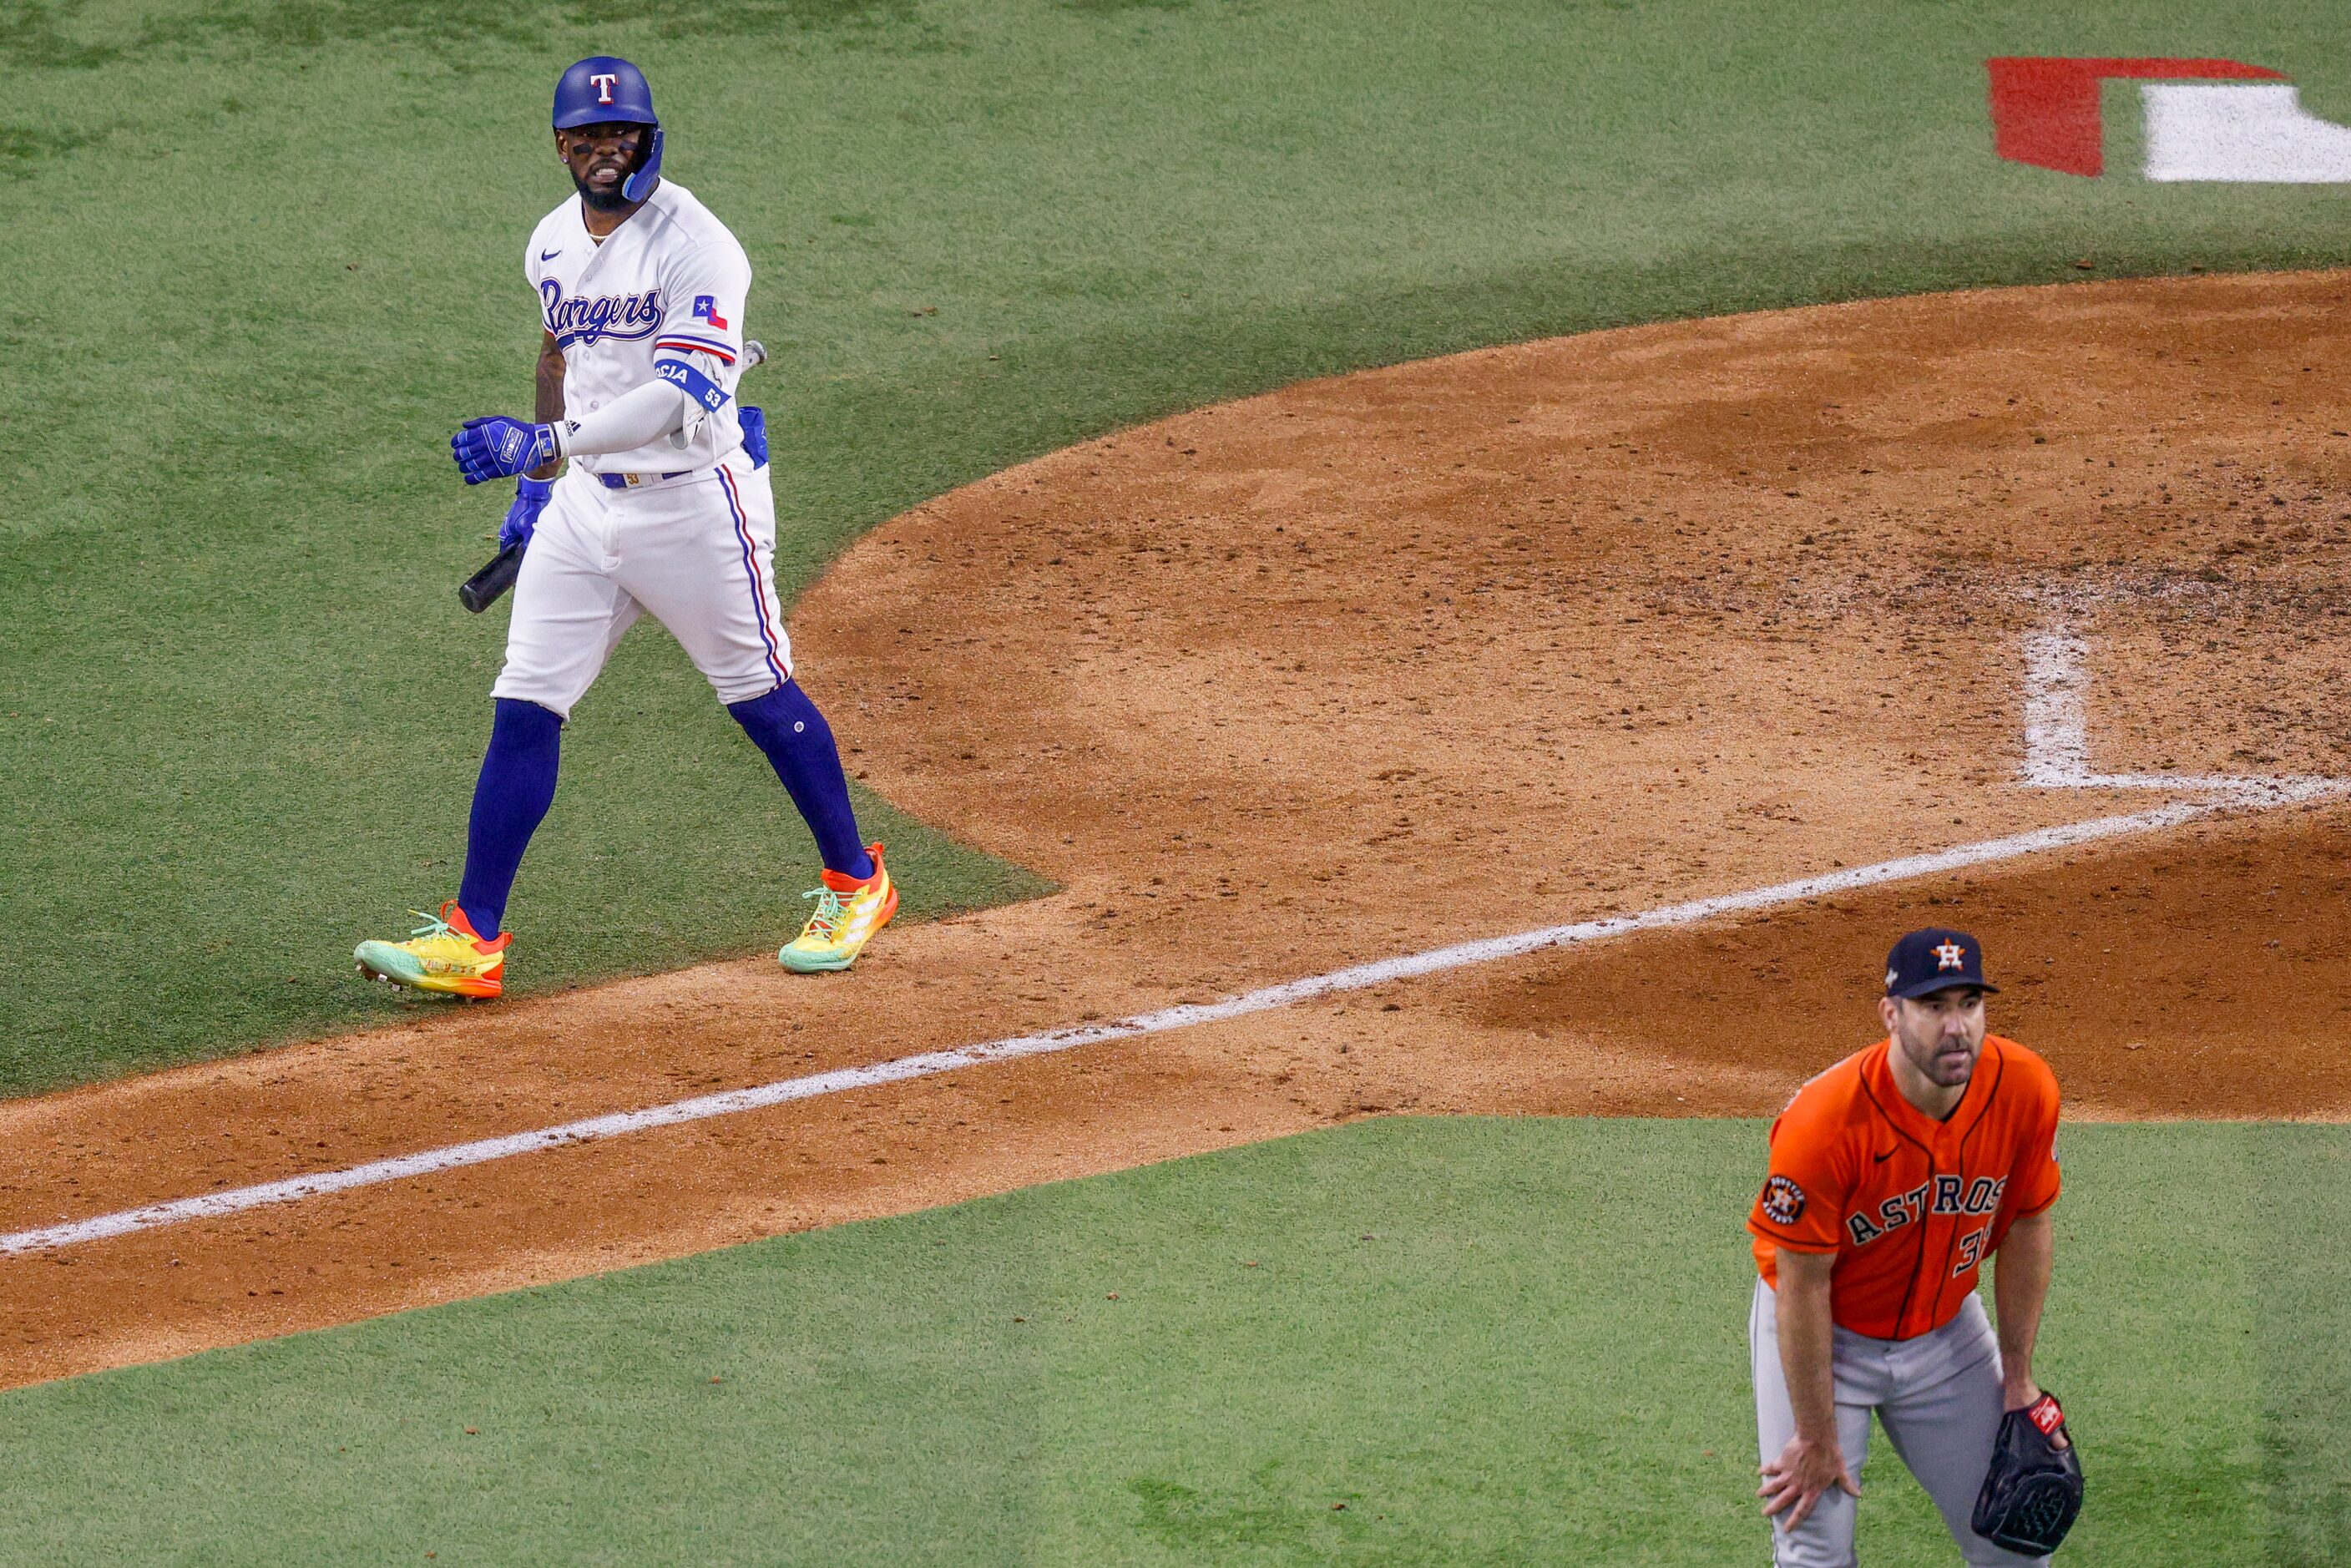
{"x": 1936, "y": 958}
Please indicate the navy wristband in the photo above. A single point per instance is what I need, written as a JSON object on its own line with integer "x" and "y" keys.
{"x": 693, "y": 382}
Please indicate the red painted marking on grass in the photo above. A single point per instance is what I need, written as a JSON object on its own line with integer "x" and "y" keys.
{"x": 2045, "y": 110}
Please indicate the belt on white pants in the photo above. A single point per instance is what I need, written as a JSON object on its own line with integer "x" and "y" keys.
{"x": 630, "y": 481}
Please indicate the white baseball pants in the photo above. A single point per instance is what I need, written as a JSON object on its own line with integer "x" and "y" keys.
{"x": 698, "y": 551}
{"x": 1938, "y": 1398}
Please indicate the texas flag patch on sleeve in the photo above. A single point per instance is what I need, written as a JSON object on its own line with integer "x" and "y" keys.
{"x": 705, "y": 308}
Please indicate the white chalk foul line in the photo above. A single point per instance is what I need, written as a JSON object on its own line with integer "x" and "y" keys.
{"x": 2057, "y": 739}
{"x": 841, "y": 1080}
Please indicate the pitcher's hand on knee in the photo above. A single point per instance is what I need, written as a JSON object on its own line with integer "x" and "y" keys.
{"x": 1799, "y": 1476}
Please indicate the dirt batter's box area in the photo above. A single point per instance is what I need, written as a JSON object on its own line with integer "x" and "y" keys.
{"x": 1871, "y": 607}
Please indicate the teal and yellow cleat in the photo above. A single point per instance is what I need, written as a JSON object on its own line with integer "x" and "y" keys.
{"x": 848, "y": 914}
{"x": 443, "y": 954}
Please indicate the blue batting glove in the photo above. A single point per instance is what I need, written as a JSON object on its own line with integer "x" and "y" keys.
{"x": 497, "y": 447}
{"x": 754, "y": 420}
{"x": 522, "y": 517}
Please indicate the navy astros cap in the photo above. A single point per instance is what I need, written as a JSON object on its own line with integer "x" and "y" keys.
{"x": 1934, "y": 959}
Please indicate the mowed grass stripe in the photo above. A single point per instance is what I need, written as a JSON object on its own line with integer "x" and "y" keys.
{"x": 1493, "y": 1341}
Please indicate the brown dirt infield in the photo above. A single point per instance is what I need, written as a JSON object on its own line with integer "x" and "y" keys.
{"x": 1383, "y": 662}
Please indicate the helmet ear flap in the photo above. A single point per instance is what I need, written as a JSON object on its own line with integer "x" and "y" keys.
{"x": 640, "y": 185}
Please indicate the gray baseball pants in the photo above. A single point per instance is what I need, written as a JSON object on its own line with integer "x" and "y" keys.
{"x": 1938, "y": 1398}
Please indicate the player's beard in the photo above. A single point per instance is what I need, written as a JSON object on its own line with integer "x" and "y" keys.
{"x": 613, "y": 200}
{"x": 1948, "y": 1068}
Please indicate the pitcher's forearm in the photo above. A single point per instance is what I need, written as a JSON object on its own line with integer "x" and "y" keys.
{"x": 1806, "y": 1335}
{"x": 2019, "y": 1289}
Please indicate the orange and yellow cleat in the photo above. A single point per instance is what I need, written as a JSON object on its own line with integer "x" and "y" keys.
{"x": 443, "y": 954}
{"x": 848, "y": 914}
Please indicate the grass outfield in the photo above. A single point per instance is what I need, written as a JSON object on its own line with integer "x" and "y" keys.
{"x": 1492, "y": 1341}
{"x": 263, "y": 258}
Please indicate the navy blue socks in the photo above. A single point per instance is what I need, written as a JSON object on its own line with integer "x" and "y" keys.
{"x": 516, "y": 786}
{"x": 787, "y": 727}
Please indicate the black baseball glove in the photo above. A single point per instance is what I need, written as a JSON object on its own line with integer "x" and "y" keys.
{"x": 2033, "y": 1489}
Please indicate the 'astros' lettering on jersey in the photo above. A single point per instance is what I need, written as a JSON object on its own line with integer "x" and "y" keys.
{"x": 1910, "y": 1206}
{"x": 668, "y": 284}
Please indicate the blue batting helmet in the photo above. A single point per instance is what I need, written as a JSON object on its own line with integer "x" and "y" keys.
{"x": 603, "y": 89}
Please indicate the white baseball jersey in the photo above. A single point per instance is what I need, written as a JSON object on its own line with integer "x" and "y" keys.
{"x": 692, "y": 538}
{"x": 669, "y": 284}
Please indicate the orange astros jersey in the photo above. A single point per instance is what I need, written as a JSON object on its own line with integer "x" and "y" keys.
{"x": 1910, "y": 1206}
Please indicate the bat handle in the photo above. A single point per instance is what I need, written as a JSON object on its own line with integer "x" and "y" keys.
{"x": 485, "y": 587}
{"x": 482, "y": 590}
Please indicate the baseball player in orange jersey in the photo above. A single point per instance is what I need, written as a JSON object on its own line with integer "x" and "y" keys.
{"x": 1893, "y": 1177}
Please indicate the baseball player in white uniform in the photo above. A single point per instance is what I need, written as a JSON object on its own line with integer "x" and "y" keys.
{"x": 663, "y": 504}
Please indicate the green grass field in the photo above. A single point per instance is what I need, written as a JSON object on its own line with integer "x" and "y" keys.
{"x": 263, "y": 259}
{"x": 1493, "y": 1342}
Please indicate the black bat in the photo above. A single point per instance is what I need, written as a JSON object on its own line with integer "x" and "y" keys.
{"x": 480, "y": 590}
{"x": 487, "y": 586}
